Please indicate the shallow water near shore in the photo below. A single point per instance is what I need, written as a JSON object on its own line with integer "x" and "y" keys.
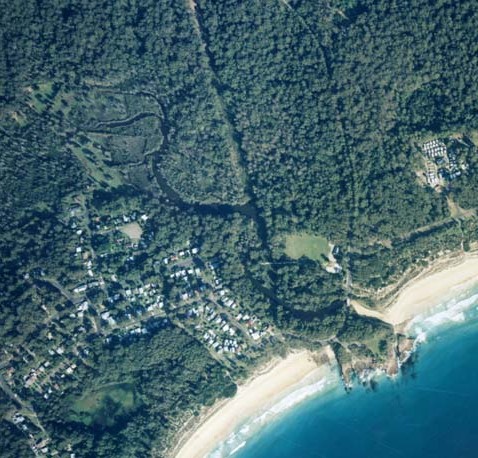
{"x": 310, "y": 387}
{"x": 429, "y": 411}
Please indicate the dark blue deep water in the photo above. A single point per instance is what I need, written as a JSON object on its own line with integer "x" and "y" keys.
{"x": 431, "y": 411}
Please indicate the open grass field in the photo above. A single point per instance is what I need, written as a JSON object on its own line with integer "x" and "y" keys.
{"x": 474, "y": 137}
{"x": 311, "y": 246}
{"x": 105, "y": 405}
{"x": 92, "y": 159}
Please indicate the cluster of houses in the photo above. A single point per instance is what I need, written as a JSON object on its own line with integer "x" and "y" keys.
{"x": 64, "y": 347}
{"x": 49, "y": 375}
{"x": 217, "y": 331}
{"x": 434, "y": 148}
{"x": 199, "y": 291}
{"x": 105, "y": 223}
{"x": 224, "y": 326}
{"x": 441, "y": 163}
{"x": 102, "y": 303}
{"x": 121, "y": 310}
{"x": 128, "y": 310}
{"x": 46, "y": 371}
{"x": 255, "y": 328}
{"x": 42, "y": 375}
{"x": 181, "y": 254}
{"x": 133, "y": 306}
{"x": 37, "y": 439}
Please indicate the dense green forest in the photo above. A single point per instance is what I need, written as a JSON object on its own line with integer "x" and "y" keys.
{"x": 132, "y": 132}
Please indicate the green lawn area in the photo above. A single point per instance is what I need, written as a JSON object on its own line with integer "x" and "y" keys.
{"x": 105, "y": 406}
{"x": 40, "y": 96}
{"x": 312, "y": 246}
{"x": 92, "y": 159}
{"x": 474, "y": 137}
{"x": 45, "y": 88}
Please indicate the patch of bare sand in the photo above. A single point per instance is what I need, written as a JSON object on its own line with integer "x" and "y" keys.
{"x": 251, "y": 398}
{"x": 427, "y": 290}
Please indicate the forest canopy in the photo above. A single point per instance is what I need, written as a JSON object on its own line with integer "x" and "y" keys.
{"x": 271, "y": 156}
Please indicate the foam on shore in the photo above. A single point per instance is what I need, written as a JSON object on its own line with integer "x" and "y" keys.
{"x": 449, "y": 312}
{"x": 263, "y": 398}
{"x": 424, "y": 295}
{"x": 304, "y": 391}
{"x": 425, "y": 306}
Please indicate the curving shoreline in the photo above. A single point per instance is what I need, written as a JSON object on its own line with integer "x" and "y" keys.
{"x": 281, "y": 378}
{"x": 448, "y": 276}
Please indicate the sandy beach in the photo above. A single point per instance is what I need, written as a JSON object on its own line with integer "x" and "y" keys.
{"x": 257, "y": 394}
{"x": 443, "y": 279}
{"x": 428, "y": 290}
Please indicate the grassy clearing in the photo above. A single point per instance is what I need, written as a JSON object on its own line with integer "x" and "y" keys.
{"x": 105, "y": 406}
{"x": 377, "y": 343}
{"x": 92, "y": 159}
{"x": 132, "y": 230}
{"x": 474, "y": 137}
{"x": 45, "y": 88}
{"x": 311, "y": 246}
{"x": 40, "y": 96}
{"x": 457, "y": 212}
{"x": 50, "y": 97}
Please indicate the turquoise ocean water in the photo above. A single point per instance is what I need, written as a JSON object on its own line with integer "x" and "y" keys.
{"x": 429, "y": 411}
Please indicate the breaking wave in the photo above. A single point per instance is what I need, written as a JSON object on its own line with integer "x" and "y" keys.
{"x": 238, "y": 439}
{"x": 450, "y": 312}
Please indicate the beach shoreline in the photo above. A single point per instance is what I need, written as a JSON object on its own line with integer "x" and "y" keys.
{"x": 425, "y": 291}
{"x": 280, "y": 376}
{"x": 264, "y": 389}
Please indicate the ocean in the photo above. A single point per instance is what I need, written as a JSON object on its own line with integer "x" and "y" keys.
{"x": 431, "y": 410}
